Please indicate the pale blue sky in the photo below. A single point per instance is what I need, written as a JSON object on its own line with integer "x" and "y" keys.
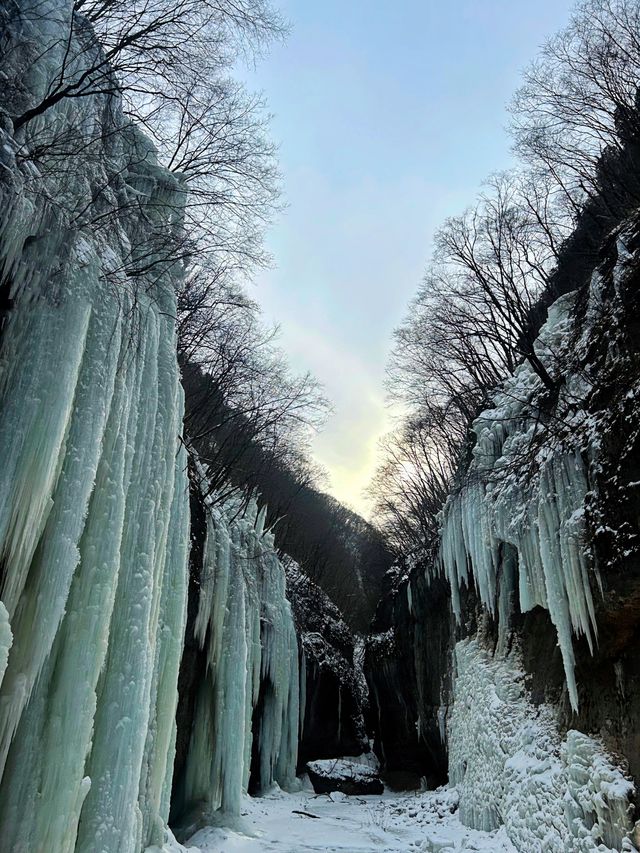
{"x": 388, "y": 115}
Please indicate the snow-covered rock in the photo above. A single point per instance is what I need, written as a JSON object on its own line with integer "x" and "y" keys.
{"x": 343, "y": 775}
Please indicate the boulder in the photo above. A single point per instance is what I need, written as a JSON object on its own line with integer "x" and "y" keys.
{"x": 339, "y": 775}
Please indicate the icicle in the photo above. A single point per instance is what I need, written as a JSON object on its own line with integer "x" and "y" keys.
{"x": 157, "y": 778}
{"x": 245, "y": 621}
{"x": 6, "y": 638}
{"x": 505, "y": 525}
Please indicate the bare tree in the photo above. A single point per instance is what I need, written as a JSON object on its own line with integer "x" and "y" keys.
{"x": 167, "y": 63}
{"x": 411, "y": 485}
{"x": 579, "y": 99}
{"x": 244, "y": 407}
{"x": 470, "y": 323}
{"x": 469, "y": 326}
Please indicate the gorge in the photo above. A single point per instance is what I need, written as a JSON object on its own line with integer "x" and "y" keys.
{"x": 168, "y": 663}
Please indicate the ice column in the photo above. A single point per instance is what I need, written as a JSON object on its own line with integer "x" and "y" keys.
{"x": 245, "y": 625}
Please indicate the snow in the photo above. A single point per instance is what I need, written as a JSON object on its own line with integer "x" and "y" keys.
{"x": 512, "y": 767}
{"x": 425, "y": 822}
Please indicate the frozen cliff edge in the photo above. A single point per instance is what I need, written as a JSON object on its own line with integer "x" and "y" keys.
{"x": 542, "y": 520}
{"x": 516, "y": 529}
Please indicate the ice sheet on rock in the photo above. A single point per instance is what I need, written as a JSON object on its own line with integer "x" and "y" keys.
{"x": 511, "y": 767}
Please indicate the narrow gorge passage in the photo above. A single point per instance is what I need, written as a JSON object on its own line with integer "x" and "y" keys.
{"x": 393, "y": 823}
{"x": 202, "y": 647}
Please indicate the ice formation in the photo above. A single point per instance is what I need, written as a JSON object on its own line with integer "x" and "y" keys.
{"x": 6, "y": 639}
{"x": 94, "y": 509}
{"x": 251, "y": 689}
{"x": 518, "y": 522}
{"x": 94, "y": 500}
{"x": 510, "y": 766}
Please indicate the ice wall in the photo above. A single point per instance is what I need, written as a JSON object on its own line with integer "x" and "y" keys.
{"x": 553, "y": 794}
{"x": 94, "y": 500}
{"x": 93, "y": 494}
{"x": 516, "y": 528}
{"x": 247, "y": 703}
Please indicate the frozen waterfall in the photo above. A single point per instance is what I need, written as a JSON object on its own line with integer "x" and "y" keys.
{"x": 250, "y": 691}
{"x": 516, "y": 528}
{"x": 94, "y": 501}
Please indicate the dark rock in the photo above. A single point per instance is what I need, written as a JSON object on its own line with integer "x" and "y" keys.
{"x": 334, "y": 691}
{"x": 408, "y": 668}
{"x": 339, "y": 775}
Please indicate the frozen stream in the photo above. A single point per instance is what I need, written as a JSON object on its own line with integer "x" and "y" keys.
{"x": 393, "y": 822}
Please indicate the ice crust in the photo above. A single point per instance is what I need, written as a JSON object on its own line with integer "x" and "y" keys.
{"x": 510, "y": 766}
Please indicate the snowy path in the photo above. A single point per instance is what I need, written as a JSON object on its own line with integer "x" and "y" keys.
{"x": 394, "y": 823}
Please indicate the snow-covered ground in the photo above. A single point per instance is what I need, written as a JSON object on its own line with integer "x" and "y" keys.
{"x": 392, "y": 823}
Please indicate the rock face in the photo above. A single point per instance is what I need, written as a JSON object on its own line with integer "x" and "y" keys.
{"x": 348, "y": 778}
{"x": 333, "y": 691}
{"x": 407, "y": 666}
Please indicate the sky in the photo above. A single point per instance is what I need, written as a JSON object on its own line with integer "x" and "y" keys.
{"x": 388, "y": 114}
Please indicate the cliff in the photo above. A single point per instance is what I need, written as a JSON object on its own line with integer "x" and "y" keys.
{"x": 527, "y": 618}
